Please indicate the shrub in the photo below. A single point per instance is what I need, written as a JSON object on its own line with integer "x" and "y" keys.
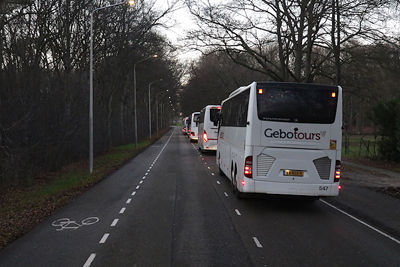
{"x": 386, "y": 116}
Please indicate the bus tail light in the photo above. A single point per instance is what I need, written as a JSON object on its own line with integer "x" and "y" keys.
{"x": 205, "y": 137}
{"x": 248, "y": 167}
{"x": 337, "y": 171}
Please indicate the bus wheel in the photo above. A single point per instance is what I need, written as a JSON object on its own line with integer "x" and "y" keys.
{"x": 220, "y": 171}
{"x": 236, "y": 192}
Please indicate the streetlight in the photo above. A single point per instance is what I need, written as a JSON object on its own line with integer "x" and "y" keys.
{"x": 159, "y": 80}
{"x": 134, "y": 92}
{"x": 131, "y": 3}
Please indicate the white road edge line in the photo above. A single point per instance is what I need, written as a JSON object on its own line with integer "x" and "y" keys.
{"x": 258, "y": 244}
{"x": 90, "y": 260}
{"x": 238, "y": 212}
{"x": 129, "y": 200}
{"x": 122, "y": 210}
{"x": 362, "y": 222}
{"x": 114, "y": 223}
{"x": 226, "y": 194}
{"x": 104, "y": 238}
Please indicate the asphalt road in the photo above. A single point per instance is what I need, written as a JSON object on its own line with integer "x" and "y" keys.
{"x": 170, "y": 207}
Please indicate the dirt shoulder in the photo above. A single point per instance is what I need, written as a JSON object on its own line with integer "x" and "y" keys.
{"x": 367, "y": 174}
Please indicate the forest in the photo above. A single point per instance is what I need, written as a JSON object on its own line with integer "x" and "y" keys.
{"x": 44, "y": 80}
{"x": 354, "y": 44}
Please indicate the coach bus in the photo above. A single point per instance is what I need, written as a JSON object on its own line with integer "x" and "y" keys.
{"x": 282, "y": 138}
{"x": 208, "y": 128}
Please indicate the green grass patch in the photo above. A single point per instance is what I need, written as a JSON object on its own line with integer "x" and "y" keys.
{"x": 360, "y": 147}
{"x": 22, "y": 207}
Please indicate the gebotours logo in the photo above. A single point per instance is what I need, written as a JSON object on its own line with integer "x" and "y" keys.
{"x": 296, "y": 134}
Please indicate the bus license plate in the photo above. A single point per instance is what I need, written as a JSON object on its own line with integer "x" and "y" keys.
{"x": 293, "y": 173}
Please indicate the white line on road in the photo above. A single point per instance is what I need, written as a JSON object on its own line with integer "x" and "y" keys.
{"x": 141, "y": 182}
{"x": 212, "y": 174}
{"x": 218, "y": 182}
{"x": 133, "y": 193}
{"x": 258, "y": 244}
{"x": 129, "y": 200}
{"x": 146, "y": 173}
{"x": 89, "y": 260}
{"x": 144, "y": 177}
{"x": 237, "y": 212}
{"x": 226, "y": 194}
{"x": 122, "y": 210}
{"x": 114, "y": 223}
{"x": 104, "y": 238}
{"x": 209, "y": 167}
{"x": 137, "y": 187}
{"x": 362, "y": 222}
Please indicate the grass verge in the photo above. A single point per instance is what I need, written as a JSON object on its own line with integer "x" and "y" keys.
{"x": 22, "y": 208}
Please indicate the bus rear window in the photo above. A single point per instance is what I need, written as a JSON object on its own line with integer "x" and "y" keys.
{"x": 297, "y": 103}
{"x": 214, "y": 115}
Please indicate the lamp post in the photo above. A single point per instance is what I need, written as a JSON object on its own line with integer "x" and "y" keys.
{"x": 131, "y": 3}
{"x": 134, "y": 93}
{"x": 160, "y": 80}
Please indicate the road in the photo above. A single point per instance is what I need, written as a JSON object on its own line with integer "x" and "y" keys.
{"x": 170, "y": 207}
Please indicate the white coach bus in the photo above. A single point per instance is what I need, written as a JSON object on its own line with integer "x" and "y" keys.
{"x": 194, "y": 126}
{"x": 208, "y": 128}
{"x": 282, "y": 138}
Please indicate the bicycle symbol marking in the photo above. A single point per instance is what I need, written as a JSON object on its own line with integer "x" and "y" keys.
{"x": 67, "y": 224}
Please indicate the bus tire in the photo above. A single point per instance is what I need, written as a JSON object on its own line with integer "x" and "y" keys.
{"x": 236, "y": 192}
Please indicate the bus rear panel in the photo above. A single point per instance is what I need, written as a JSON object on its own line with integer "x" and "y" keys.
{"x": 292, "y": 142}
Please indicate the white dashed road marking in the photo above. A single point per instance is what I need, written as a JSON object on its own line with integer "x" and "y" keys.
{"x": 133, "y": 193}
{"x": 122, "y": 210}
{"x": 237, "y": 212}
{"x": 114, "y": 223}
{"x": 141, "y": 182}
{"x": 226, "y": 194}
{"x": 129, "y": 200}
{"x": 89, "y": 260}
{"x": 104, "y": 238}
{"x": 137, "y": 187}
{"x": 258, "y": 244}
{"x": 218, "y": 182}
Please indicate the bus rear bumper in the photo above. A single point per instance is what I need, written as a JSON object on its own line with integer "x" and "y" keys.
{"x": 254, "y": 186}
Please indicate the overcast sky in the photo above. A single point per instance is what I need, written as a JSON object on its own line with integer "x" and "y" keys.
{"x": 181, "y": 21}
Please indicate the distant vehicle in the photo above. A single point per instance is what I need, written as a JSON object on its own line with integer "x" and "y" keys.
{"x": 282, "y": 138}
{"x": 185, "y": 125}
{"x": 208, "y": 127}
{"x": 194, "y": 124}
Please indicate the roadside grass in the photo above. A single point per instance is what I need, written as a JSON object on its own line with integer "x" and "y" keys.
{"x": 355, "y": 151}
{"x": 360, "y": 154}
{"x": 21, "y": 208}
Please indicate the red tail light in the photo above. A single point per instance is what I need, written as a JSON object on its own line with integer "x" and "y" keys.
{"x": 192, "y": 133}
{"x": 248, "y": 167}
{"x": 205, "y": 137}
{"x": 337, "y": 171}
